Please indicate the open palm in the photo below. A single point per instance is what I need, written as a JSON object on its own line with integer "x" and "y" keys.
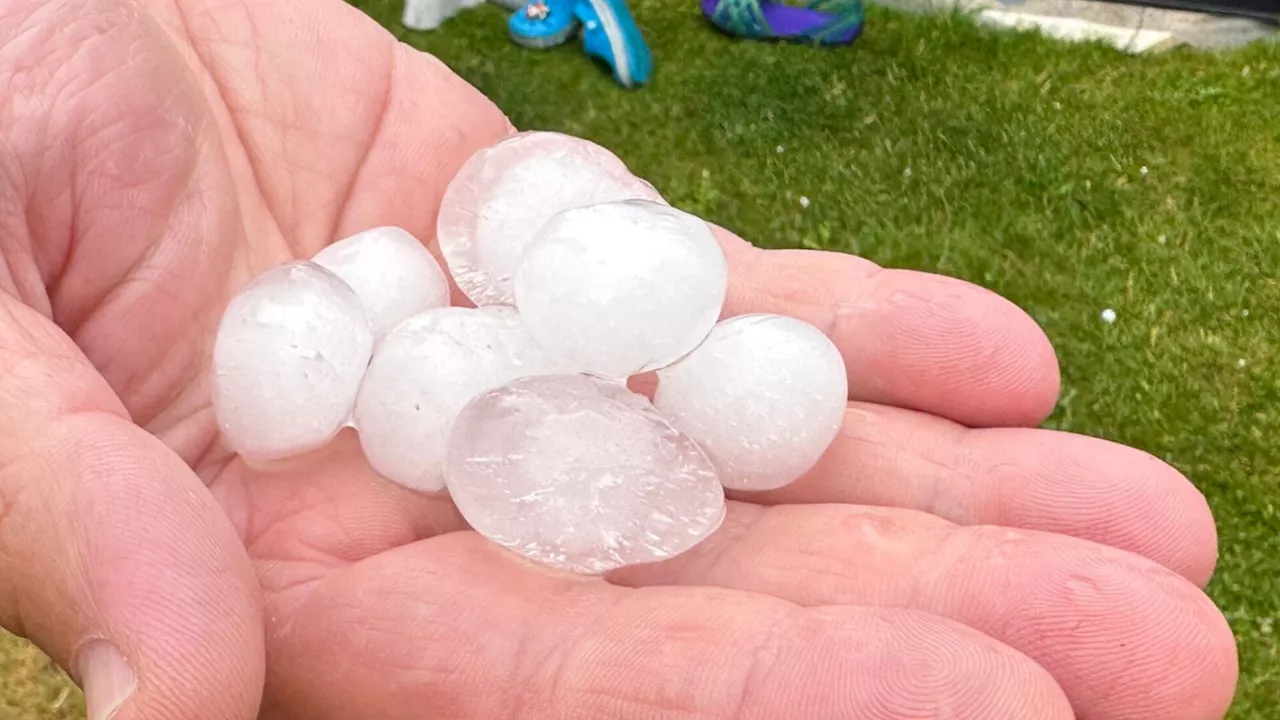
{"x": 943, "y": 560}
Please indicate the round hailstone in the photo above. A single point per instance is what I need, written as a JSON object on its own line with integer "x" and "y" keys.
{"x": 764, "y": 395}
{"x": 424, "y": 372}
{"x": 391, "y": 271}
{"x": 505, "y": 193}
{"x": 622, "y": 288}
{"x": 581, "y": 474}
{"x": 287, "y": 361}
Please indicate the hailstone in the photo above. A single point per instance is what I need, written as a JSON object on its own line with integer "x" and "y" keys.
{"x": 622, "y": 288}
{"x": 764, "y": 395}
{"x": 424, "y": 372}
{"x": 505, "y": 193}
{"x": 287, "y": 360}
{"x": 392, "y": 273}
{"x": 580, "y": 474}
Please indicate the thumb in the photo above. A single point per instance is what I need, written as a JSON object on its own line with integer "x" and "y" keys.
{"x": 116, "y": 560}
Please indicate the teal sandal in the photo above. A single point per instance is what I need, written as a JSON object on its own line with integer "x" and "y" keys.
{"x": 609, "y": 34}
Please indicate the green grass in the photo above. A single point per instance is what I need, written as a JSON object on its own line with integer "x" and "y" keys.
{"x": 1009, "y": 160}
{"x": 32, "y": 687}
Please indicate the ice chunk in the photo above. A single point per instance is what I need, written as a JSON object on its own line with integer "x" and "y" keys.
{"x": 504, "y": 194}
{"x": 424, "y": 372}
{"x": 581, "y": 474}
{"x": 287, "y": 361}
{"x": 392, "y": 273}
{"x": 622, "y": 288}
{"x": 764, "y": 395}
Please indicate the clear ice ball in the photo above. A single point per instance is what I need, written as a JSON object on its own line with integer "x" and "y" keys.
{"x": 505, "y": 193}
{"x": 287, "y": 361}
{"x": 622, "y": 288}
{"x": 392, "y": 273}
{"x": 764, "y": 395}
{"x": 424, "y": 372}
{"x": 580, "y": 474}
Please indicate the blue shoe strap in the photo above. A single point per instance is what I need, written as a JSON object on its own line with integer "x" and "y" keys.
{"x": 628, "y": 53}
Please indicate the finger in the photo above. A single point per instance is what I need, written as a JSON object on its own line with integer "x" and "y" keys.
{"x": 909, "y": 339}
{"x": 1013, "y": 477}
{"x": 117, "y": 561}
{"x": 461, "y": 629}
{"x": 1125, "y": 638}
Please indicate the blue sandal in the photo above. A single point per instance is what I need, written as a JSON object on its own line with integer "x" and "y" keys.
{"x": 609, "y": 34}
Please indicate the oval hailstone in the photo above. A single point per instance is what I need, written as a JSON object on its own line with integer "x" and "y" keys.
{"x": 424, "y": 372}
{"x": 392, "y": 273}
{"x": 505, "y": 193}
{"x": 581, "y": 474}
{"x": 622, "y": 288}
{"x": 764, "y": 395}
{"x": 287, "y": 361}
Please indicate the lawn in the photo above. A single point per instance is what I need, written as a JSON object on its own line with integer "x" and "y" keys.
{"x": 1069, "y": 179}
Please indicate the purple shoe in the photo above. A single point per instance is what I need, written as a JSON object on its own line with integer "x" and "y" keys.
{"x": 823, "y": 22}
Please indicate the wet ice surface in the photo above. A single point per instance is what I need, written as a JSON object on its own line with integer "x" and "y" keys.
{"x": 424, "y": 372}
{"x": 581, "y": 474}
{"x": 504, "y": 194}
{"x": 622, "y": 288}
{"x": 287, "y": 361}
{"x": 392, "y": 273}
{"x": 764, "y": 395}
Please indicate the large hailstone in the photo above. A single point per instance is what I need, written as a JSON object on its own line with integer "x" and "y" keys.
{"x": 622, "y": 288}
{"x": 392, "y": 273}
{"x": 287, "y": 361}
{"x": 424, "y": 372}
{"x": 764, "y": 395}
{"x": 581, "y": 474}
{"x": 505, "y": 193}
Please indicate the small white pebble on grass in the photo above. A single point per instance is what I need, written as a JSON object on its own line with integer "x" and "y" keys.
{"x": 1108, "y": 316}
{"x": 1241, "y": 362}
{"x": 779, "y": 149}
{"x": 1244, "y": 312}
{"x": 804, "y": 201}
{"x": 1143, "y": 170}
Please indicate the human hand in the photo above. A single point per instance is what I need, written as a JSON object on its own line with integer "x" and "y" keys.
{"x": 943, "y": 558}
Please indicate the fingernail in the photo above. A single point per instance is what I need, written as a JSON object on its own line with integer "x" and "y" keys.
{"x": 105, "y": 677}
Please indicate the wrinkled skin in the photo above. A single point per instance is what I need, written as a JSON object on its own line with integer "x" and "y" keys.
{"x": 943, "y": 560}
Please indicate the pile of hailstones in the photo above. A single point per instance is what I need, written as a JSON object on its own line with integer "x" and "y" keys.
{"x": 583, "y": 278}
